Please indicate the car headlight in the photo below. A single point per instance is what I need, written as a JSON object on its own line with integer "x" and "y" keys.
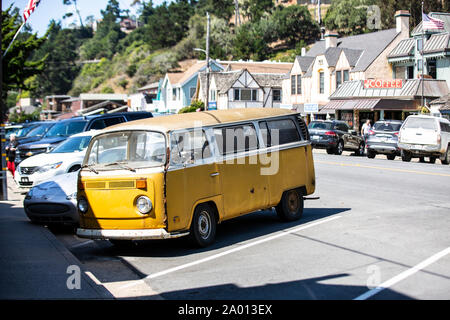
{"x": 83, "y": 205}
{"x": 49, "y": 167}
{"x": 144, "y": 204}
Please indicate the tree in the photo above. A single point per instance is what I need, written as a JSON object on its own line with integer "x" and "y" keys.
{"x": 348, "y": 17}
{"x": 16, "y": 65}
{"x": 255, "y": 9}
{"x": 223, "y": 9}
{"x": 74, "y": 2}
{"x": 389, "y": 7}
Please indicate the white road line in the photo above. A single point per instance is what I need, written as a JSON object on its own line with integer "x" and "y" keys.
{"x": 93, "y": 278}
{"x": 239, "y": 248}
{"x": 404, "y": 275}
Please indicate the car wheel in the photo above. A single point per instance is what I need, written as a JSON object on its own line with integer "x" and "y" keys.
{"x": 391, "y": 156}
{"x": 422, "y": 159}
{"x": 361, "y": 149}
{"x": 290, "y": 207}
{"x": 446, "y": 159}
{"x": 432, "y": 159}
{"x": 339, "y": 148}
{"x": 330, "y": 151}
{"x": 203, "y": 226}
{"x": 406, "y": 156}
{"x": 371, "y": 154}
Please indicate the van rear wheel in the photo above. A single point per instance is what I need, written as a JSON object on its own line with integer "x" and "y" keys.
{"x": 203, "y": 226}
{"x": 406, "y": 156}
{"x": 290, "y": 207}
{"x": 446, "y": 159}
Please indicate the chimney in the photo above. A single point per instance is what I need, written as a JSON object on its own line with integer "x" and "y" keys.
{"x": 402, "y": 22}
{"x": 331, "y": 38}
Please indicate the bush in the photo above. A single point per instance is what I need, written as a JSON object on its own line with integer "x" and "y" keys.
{"x": 196, "y": 105}
{"x": 107, "y": 90}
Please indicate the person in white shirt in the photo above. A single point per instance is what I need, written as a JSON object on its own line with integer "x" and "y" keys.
{"x": 366, "y": 129}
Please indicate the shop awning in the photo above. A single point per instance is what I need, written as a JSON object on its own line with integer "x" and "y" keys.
{"x": 370, "y": 104}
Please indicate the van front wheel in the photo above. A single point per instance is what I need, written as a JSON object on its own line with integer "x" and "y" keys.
{"x": 203, "y": 226}
{"x": 290, "y": 207}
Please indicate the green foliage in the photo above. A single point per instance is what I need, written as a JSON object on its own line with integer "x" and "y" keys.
{"x": 222, "y": 9}
{"x": 123, "y": 83}
{"x": 20, "y": 117}
{"x": 348, "y": 17}
{"x": 254, "y": 10}
{"x": 17, "y": 65}
{"x": 195, "y": 105}
{"x": 107, "y": 89}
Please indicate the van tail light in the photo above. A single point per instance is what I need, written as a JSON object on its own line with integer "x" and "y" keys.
{"x": 397, "y": 134}
{"x": 331, "y": 133}
{"x": 439, "y": 139}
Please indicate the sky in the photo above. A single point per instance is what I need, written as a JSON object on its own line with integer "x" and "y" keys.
{"x": 54, "y": 9}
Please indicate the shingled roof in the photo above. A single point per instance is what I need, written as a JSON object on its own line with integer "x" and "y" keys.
{"x": 371, "y": 46}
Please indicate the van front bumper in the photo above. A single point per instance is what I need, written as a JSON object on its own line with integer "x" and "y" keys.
{"x": 139, "y": 234}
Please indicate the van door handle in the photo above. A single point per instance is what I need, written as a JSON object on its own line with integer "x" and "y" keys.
{"x": 214, "y": 174}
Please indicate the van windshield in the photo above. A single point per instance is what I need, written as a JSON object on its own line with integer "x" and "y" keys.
{"x": 65, "y": 129}
{"x": 423, "y": 123}
{"x": 126, "y": 149}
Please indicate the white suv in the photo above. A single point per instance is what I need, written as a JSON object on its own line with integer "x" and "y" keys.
{"x": 425, "y": 136}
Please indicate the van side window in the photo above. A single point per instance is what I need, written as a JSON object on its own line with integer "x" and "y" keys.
{"x": 279, "y": 132}
{"x": 113, "y": 121}
{"x": 189, "y": 147}
{"x": 98, "y": 125}
{"x": 445, "y": 127}
{"x": 236, "y": 139}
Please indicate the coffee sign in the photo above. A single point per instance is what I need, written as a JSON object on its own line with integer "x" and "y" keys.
{"x": 383, "y": 84}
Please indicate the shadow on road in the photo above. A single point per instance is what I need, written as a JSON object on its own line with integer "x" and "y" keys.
{"x": 307, "y": 289}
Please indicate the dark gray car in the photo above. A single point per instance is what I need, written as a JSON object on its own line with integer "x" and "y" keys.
{"x": 383, "y": 139}
{"x": 335, "y": 136}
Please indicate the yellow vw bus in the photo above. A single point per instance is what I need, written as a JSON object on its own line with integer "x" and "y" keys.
{"x": 180, "y": 175}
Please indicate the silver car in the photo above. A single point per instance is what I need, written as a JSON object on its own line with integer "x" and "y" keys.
{"x": 54, "y": 201}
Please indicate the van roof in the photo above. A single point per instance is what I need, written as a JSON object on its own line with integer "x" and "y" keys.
{"x": 204, "y": 118}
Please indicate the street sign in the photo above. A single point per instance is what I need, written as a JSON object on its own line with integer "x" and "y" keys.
{"x": 212, "y": 105}
{"x": 311, "y": 108}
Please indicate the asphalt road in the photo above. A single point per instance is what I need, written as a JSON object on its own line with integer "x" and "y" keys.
{"x": 377, "y": 223}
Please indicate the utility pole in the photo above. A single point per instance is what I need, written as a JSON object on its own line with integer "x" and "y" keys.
{"x": 423, "y": 62}
{"x": 319, "y": 14}
{"x": 207, "y": 59}
{"x": 237, "y": 16}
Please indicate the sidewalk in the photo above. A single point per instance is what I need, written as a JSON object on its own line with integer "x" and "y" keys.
{"x": 33, "y": 263}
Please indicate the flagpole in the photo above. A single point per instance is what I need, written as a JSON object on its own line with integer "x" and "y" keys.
{"x": 423, "y": 62}
{"x": 15, "y": 36}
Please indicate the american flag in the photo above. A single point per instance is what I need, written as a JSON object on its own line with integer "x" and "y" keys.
{"x": 429, "y": 23}
{"x": 32, "y": 4}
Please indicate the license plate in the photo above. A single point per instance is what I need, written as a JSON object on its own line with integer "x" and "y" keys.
{"x": 316, "y": 137}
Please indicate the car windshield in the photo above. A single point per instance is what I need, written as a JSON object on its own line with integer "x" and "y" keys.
{"x": 386, "y": 126}
{"x": 65, "y": 129}
{"x": 320, "y": 125}
{"x": 73, "y": 144}
{"x": 129, "y": 150}
{"x": 24, "y": 131}
{"x": 39, "y": 131}
{"x": 423, "y": 123}
{"x": 11, "y": 131}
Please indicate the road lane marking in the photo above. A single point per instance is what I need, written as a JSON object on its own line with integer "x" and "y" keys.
{"x": 236, "y": 249}
{"x": 404, "y": 275}
{"x": 382, "y": 168}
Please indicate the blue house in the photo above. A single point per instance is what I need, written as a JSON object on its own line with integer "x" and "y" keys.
{"x": 179, "y": 88}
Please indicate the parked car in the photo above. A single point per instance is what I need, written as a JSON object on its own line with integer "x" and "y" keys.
{"x": 335, "y": 136}
{"x": 383, "y": 139}
{"x": 425, "y": 136}
{"x": 37, "y": 132}
{"x": 65, "y": 128}
{"x": 20, "y": 130}
{"x": 66, "y": 157}
{"x": 53, "y": 201}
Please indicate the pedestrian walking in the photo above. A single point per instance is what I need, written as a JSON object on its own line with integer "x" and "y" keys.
{"x": 365, "y": 130}
{"x": 11, "y": 153}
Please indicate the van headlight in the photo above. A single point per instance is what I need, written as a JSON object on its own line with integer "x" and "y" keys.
{"x": 49, "y": 167}
{"x": 83, "y": 205}
{"x": 144, "y": 204}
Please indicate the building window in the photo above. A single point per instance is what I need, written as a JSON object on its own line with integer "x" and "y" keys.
{"x": 338, "y": 78}
{"x": 346, "y": 75}
{"x": 419, "y": 44}
{"x": 174, "y": 94}
{"x": 212, "y": 95}
{"x": 276, "y": 95}
{"x": 299, "y": 84}
{"x": 321, "y": 83}
{"x": 192, "y": 91}
{"x": 410, "y": 72}
{"x": 245, "y": 94}
{"x": 293, "y": 85}
{"x": 419, "y": 65}
{"x": 431, "y": 67}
